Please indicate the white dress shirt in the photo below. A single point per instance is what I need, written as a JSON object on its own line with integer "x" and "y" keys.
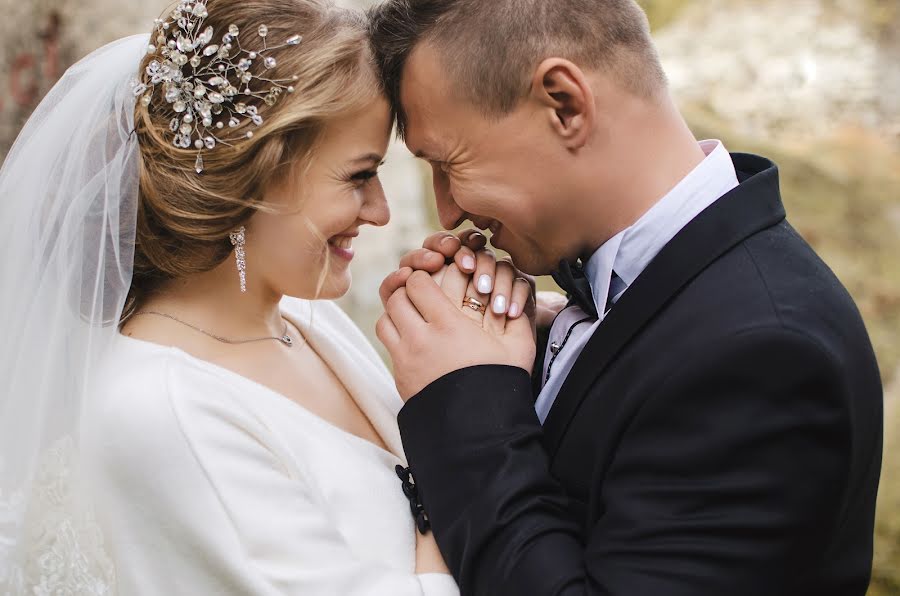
{"x": 628, "y": 253}
{"x": 208, "y": 483}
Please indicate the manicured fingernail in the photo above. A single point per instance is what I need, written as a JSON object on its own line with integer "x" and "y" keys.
{"x": 468, "y": 263}
{"x": 485, "y": 284}
{"x": 500, "y": 305}
{"x": 447, "y": 239}
{"x": 513, "y": 310}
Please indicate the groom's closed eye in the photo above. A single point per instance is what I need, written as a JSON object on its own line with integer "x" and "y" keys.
{"x": 432, "y": 160}
{"x": 442, "y": 166}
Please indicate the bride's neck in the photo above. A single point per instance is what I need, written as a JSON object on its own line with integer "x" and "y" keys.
{"x": 214, "y": 301}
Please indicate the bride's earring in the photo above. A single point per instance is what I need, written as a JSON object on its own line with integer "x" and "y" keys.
{"x": 238, "y": 240}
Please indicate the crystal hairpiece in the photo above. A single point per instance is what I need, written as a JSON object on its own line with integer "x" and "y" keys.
{"x": 204, "y": 82}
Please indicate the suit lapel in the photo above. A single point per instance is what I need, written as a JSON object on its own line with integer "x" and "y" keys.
{"x": 751, "y": 207}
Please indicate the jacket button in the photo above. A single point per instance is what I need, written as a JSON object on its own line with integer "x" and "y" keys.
{"x": 422, "y": 523}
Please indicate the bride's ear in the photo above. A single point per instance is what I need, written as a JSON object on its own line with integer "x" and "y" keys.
{"x": 561, "y": 88}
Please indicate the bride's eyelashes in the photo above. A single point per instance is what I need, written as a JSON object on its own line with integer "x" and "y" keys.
{"x": 364, "y": 176}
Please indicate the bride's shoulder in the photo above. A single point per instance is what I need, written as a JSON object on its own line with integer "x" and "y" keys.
{"x": 151, "y": 403}
{"x": 144, "y": 386}
{"x": 131, "y": 367}
{"x": 134, "y": 368}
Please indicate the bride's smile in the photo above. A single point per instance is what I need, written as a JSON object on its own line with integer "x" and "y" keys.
{"x": 304, "y": 246}
{"x": 342, "y": 246}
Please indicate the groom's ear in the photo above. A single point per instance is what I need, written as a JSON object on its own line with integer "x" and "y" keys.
{"x": 564, "y": 91}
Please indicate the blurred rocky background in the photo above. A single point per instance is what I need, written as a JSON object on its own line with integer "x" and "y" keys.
{"x": 813, "y": 84}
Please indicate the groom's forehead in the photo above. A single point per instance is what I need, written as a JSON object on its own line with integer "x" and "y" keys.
{"x": 421, "y": 140}
{"x": 424, "y": 79}
{"x": 423, "y": 97}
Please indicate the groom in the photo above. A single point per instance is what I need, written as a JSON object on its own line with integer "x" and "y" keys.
{"x": 708, "y": 416}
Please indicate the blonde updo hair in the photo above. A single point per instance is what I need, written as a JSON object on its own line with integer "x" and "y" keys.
{"x": 184, "y": 219}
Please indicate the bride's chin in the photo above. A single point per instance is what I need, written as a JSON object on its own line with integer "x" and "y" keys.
{"x": 336, "y": 285}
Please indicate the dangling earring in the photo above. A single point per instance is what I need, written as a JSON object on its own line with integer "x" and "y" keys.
{"x": 238, "y": 240}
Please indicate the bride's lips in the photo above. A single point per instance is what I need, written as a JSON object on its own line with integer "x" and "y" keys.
{"x": 342, "y": 246}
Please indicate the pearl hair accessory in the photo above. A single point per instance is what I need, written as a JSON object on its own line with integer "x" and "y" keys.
{"x": 208, "y": 85}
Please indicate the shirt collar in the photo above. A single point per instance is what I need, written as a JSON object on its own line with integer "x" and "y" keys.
{"x": 599, "y": 270}
{"x": 630, "y": 251}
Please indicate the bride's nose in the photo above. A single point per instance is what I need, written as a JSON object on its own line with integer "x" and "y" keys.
{"x": 375, "y": 210}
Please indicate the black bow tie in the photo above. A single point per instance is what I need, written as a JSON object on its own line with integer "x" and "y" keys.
{"x": 571, "y": 278}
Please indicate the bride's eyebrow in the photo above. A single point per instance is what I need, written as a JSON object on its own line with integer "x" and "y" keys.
{"x": 372, "y": 158}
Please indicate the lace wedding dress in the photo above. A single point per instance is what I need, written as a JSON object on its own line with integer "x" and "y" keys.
{"x": 68, "y": 196}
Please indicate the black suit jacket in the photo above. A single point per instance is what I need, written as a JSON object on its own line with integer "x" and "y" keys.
{"x": 719, "y": 435}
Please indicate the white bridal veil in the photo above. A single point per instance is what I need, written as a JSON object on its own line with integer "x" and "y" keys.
{"x": 68, "y": 206}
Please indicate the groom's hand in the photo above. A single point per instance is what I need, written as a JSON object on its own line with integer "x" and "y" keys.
{"x": 429, "y": 334}
{"x": 442, "y": 248}
{"x": 549, "y": 304}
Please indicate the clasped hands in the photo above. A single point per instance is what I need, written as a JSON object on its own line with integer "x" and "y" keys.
{"x": 430, "y": 327}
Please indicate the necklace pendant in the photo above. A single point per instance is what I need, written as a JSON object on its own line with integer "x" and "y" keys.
{"x": 286, "y": 340}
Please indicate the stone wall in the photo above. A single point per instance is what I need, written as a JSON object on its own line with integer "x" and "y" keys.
{"x": 39, "y": 39}
{"x": 786, "y": 70}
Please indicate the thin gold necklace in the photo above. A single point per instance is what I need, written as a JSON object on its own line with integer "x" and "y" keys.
{"x": 285, "y": 338}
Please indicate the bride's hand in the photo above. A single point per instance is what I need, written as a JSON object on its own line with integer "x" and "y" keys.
{"x": 489, "y": 310}
{"x": 430, "y": 331}
{"x": 493, "y": 286}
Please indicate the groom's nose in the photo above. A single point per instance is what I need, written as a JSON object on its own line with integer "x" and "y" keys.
{"x": 449, "y": 213}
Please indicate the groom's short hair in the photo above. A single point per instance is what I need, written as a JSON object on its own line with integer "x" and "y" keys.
{"x": 490, "y": 48}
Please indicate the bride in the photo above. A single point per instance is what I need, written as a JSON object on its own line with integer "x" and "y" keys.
{"x": 183, "y": 409}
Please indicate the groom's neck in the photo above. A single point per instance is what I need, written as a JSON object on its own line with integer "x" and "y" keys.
{"x": 644, "y": 151}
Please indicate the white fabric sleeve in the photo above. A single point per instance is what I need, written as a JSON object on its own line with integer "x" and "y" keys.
{"x": 197, "y": 500}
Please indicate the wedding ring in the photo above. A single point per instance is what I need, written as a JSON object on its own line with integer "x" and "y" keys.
{"x": 474, "y": 304}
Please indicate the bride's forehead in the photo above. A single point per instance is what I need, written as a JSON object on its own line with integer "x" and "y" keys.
{"x": 360, "y": 133}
